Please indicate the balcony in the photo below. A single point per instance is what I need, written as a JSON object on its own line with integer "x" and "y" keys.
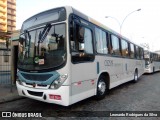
{"x": 12, "y": 18}
{"x": 11, "y": 6}
{"x": 10, "y": 29}
{"x": 11, "y": 24}
{"x": 3, "y": 10}
{"x": 3, "y": 16}
{"x": 11, "y": 12}
{"x": 2, "y": 28}
{"x": 2, "y": 22}
{"x": 12, "y": 2}
{"x": 3, "y": 4}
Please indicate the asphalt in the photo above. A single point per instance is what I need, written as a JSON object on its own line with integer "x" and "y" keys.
{"x": 8, "y": 93}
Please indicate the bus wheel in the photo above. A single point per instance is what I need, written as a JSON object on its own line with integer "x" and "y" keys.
{"x": 101, "y": 88}
{"x": 135, "y": 76}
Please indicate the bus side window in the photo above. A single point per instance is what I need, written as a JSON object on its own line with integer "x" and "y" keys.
{"x": 109, "y": 44}
{"x": 115, "y": 45}
{"x": 125, "y": 48}
{"x": 101, "y": 41}
{"x": 135, "y": 53}
{"x": 138, "y": 52}
{"x": 141, "y": 53}
{"x": 132, "y": 51}
{"x": 85, "y": 40}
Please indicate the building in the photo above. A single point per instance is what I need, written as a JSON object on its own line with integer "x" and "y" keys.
{"x": 7, "y": 15}
{"x": 158, "y": 51}
{"x": 7, "y": 27}
{"x": 9, "y": 58}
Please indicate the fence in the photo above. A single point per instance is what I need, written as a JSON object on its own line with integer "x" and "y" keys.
{"x": 5, "y": 65}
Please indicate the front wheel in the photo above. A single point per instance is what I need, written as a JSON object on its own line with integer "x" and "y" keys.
{"x": 101, "y": 88}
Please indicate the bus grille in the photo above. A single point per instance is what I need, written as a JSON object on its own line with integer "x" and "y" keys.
{"x": 39, "y": 85}
{"x": 37, "y": 77}
{"x": 39, "y": 94}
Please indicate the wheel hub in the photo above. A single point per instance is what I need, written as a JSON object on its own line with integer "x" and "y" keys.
{"x": 101, "y": 87}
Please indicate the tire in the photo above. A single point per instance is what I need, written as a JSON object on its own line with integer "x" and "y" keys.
{"x": 102, "y": 88}
{"x": 153, "y": 69}
{"x": 135, "y": 76}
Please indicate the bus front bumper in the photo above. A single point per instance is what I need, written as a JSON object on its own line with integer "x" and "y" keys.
{"x": 59, "y": 96}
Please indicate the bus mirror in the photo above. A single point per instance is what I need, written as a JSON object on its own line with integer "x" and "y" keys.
{"x": 81, "y": 46}
{"x": 81, "y": 34}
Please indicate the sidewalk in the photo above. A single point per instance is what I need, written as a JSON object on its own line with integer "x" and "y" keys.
{"x": 8, "y": 93}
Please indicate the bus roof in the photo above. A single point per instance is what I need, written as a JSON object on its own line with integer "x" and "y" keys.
{"x": 70, "y": 9}
{"x": 98, "y": 23}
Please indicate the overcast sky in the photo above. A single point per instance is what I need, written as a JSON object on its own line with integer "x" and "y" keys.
{"x": 140, "y": 27}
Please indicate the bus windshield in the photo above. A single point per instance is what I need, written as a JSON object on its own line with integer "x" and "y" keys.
{"x": 42, "y": 48}
{"x": 53, "y": 15}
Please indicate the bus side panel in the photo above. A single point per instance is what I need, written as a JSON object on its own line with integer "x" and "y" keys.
{"x": 140, "y": 64}
{"x": 157, "y": 66}
{"x": 113, "y": 66}
{"x": 128, "y": 69}
{"x": 83, "y": 81}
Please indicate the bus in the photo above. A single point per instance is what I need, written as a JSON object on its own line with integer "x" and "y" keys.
{"x": 65, "y": 56}
{"x": 152, "y": 61}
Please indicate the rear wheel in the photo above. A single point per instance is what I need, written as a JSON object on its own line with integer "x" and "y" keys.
{"x": 102, "y": 88}
{"x": 135, "y": 76}
{"x": 153, "y": 69}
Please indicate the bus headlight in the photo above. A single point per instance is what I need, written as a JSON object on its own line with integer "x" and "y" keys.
{"x": 19, "y": 82}
{"x": 147, "y": 67}
{"x": 57, "y": 83}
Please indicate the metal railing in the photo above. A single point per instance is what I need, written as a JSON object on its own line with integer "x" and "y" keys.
{"x": 5, "y": 65}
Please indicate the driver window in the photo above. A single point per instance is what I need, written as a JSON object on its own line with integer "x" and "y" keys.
{"x": 81, "y": 46}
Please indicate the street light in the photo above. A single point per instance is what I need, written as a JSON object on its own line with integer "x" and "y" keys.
{"x": 126, "y": 18}
{"x": 120, "y": 24}
{"x": 115, "y": 20}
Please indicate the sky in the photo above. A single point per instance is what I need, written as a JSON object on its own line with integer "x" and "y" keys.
{"x": 140, "y": 26}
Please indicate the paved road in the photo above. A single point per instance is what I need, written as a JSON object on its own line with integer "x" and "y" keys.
{"x": 141, "y": 96}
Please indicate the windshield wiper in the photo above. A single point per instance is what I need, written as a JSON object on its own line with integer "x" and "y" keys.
{"x": 43, "y": 34}
{"x": 27, "y": 45}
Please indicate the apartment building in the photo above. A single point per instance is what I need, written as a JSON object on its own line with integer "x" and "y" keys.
{"x": 7, "y": 15}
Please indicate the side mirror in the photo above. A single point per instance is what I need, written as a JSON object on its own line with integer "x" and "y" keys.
{"x": 81, "y": 34}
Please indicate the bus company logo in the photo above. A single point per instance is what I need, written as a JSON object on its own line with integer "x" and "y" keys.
{"x": 6, "y": 114}
{"x": 34, "y": 85}
{"x": 108, "y": 62}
